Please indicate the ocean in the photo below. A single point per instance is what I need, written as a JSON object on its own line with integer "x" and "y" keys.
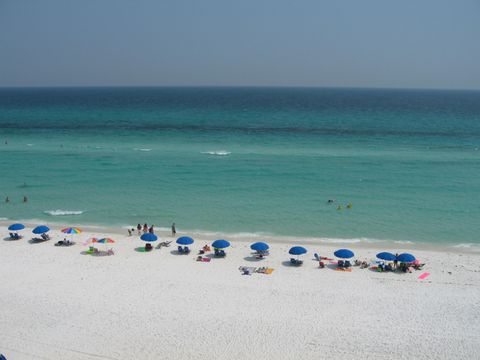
{"x": 259, "y": 161}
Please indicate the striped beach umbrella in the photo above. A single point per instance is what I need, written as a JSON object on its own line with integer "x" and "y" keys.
{"x": 71, "y": 230}
{"x": 103, "y": 241}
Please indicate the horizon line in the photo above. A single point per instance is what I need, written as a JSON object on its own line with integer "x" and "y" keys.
{"x": 235, "y": 86}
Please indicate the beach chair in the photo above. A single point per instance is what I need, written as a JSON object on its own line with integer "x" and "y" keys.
{"x": 220, "y": 253}
{"x": 45, "y": 236}
{"x": 347, "y": 264}
{"x": 296, "y": 262}
{"x": 110, "y": 252}
{"x": 321, "y": 264}
{"x": 148, "y": 247}
{"x": 180, "y": 249}
{"x": 186, "y": 250}
{"x": 92, "y": 250}
{"x": 340, "y": 264}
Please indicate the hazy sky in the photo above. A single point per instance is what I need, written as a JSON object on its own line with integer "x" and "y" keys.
{"x": 372, "y": 43}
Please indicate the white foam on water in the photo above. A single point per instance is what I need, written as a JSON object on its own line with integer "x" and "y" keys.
{"x": 142, "y": 149}
{"x": 470, "y": 246}
{"x": 217, "y": 152}
{"x": 403, "y": 242}
{"x": 30, "y": 144}
{"x": 3, "y": 218}
{"x": 59, "y": 212}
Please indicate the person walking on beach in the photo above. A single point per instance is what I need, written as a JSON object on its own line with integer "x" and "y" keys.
{"x": 174, "y": 230}
{"x": 139, "y": 229}
{"x": 129, "y": 232}
{"x": 145, "y": 228}
{"x": 150, "y": 230}
{"x": 395, "y": 262}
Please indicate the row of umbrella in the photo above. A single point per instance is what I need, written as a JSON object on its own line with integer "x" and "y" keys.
{"x": 42, "y": 229}
{"x": 348, "y": 254}
{"x": 222, "y": 244}
{"x": 186, "y": 240}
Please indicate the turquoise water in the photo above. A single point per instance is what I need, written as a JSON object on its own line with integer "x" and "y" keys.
{"x": 242, "y": 160}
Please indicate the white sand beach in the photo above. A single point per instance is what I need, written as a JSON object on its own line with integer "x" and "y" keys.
{"x": 57, "y": 303}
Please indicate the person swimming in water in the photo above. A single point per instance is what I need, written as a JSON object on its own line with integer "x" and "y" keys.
{"x": 330, "y": 201}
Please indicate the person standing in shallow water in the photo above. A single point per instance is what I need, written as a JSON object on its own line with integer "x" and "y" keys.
{"x": 174, "y": 230}
{"x": 139, "y": 229}
{"x": 25, "y": 199}
{"x": 7, "y": 199}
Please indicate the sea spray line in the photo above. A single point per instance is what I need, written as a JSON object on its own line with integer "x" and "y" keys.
{"x": 217, "y": 152}
{"x": 59, "y": 212}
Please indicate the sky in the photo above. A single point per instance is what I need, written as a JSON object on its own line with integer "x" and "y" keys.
{"x": 339, "y": 43}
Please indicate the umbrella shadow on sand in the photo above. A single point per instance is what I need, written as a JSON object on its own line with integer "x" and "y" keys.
{"x": 253, "y": 258}
{"x": 176, "y": 252}
{"x": 287, "y": 263}
{"x": 141, "y": 249}
{"x": 100, "y": 253}
{"x": 8, "y": 238}
{"x": 36, "y": 241}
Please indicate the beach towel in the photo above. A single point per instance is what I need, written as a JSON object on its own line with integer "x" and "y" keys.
{"x": 268, "y": 271}
{"x": 344, "y": 269}
{"x": 424, "y": 275}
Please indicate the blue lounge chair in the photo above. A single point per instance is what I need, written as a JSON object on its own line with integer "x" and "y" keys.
{"x": 186, "y": 250}
{"x": 220, "y": 253}
{"x": 296, "y": 262}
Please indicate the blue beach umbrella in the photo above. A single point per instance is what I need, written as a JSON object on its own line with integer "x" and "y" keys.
{"x": 41, "y": 229}
{"x": 259, "y": 246}
{"x": 297, "y": 250}
{"x": 344, "y": 254}
{"x": 149, "y": 237}
{"x": 406, "y": 258}
{"x": 185, "y": 240}
{"x": 16, "y": 227}
{"x": 220, "y": 244}
{"x": 386, "y": 256}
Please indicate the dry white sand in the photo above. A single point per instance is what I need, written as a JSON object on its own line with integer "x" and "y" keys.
{"x": 56, "y": 303}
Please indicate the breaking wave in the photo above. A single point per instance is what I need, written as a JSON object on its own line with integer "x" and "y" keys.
{"x": 63, "y": 212}
{"x": 217, "y": 152}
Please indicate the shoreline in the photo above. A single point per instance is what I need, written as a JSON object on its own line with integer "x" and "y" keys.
{"x": 209, "y": 236}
